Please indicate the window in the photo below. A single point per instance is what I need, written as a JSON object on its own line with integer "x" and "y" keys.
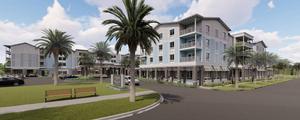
{"x": 207, "y": 56}
{"x": 151, "y": 60}
{"x": 225, "y": 46}
{"x": 160, "y": 58}
{"x": 160, "y": 35}
{"x": 61, "y": 64}
{"x": 160, "y": 47}
{"x": 224, "y": 58}
{"x": 217, "y": 33}
{"x": 207, "y": 29}
{"x": 172, "y": 57}
{"x": 207, "y": 43}
{"x": 171, "y": 45}
{"x": 172, "y": 32}
{"x": 224, "y": 35}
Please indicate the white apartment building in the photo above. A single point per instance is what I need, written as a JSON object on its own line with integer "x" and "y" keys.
{"x": 191, "y": 49}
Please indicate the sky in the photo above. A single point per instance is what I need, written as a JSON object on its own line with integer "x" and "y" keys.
{"x": 273, "y": 21}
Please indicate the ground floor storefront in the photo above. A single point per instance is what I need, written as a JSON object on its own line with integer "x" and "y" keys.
{"x": 201, "y": 74}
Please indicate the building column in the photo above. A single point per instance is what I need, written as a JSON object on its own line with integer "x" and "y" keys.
{"x": 140, "y": 73}
{"x": 194, "y": 74}
{"x": 155, "y": 73}
{"x": 166, "y": 73}
{"x": 147, "y": 74}
{"x": 201, "y": 81}
{"x": 178, "y": 73}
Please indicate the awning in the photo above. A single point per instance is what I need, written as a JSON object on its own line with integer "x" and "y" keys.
{"x": 224, "y": 68}
{"x": 208, "y": 68}
{"x": 217, "y": 68}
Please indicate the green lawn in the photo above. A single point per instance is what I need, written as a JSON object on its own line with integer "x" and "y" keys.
{"x": 10, "y": 96}
{"x": 250, "y": 85}
{"x": 84, "y": 111}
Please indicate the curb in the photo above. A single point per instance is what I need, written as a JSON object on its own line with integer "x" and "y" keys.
{"x": 134, "y": 112}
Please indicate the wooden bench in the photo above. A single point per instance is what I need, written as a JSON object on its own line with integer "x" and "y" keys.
{"x": 65, "y": 93}
{"x": 79, "y": 92}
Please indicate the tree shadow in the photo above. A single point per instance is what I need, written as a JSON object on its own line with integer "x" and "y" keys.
{"x": 170, "y": 98}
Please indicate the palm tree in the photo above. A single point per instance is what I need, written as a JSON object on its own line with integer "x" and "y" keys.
{"x": 102, "y": 52}
{"x": 236, "y": 55}
{"x": 256, "y": 61}
{"x": 55, "y": 42}
{"x": 87, "y": 60}
{"x": 132, "y": 30}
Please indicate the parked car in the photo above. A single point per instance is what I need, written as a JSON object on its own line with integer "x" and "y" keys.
{"x": 63, "y": 77}
{"x": 31, "y": 75}
{"x": 127, "y": 80}
{"x": 5, "y": 81}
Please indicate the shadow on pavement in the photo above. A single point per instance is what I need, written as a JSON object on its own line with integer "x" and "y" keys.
{"x": 170, "y": 98}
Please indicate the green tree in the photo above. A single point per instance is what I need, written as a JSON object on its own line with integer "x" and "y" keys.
{"x": 87, "y": 60}
{"x": 2, "y": 69}
{"x": 55, "y": 42}
{"x": 132, "y": 30}
{"x": 102, "y": 52}
{"x": 235, "y": 55}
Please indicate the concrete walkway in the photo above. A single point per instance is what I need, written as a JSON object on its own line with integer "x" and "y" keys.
{"x": 22, "y": 108}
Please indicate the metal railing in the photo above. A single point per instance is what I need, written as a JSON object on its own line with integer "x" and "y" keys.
{"x": 190, "y": 29}
{"x": 187, "y": 59}
{"x": 187, "y": 45}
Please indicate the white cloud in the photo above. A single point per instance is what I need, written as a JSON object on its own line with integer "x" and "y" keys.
{"x": 233, "y": 12}
{"x": 56, "y": 18}
{"x": 271, "y": 4}
{"x": 291, "y": 51}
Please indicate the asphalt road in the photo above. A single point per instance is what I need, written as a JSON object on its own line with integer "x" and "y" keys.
{"x": 277, "y": 102}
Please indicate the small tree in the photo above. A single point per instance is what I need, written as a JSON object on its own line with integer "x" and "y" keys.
{"x": 102, "y": 52}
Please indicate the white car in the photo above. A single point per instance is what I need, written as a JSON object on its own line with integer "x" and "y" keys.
{"x": 127, "y": 80}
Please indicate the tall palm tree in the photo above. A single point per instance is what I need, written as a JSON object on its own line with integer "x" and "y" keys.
{"x": 132, "y": 30}
{"x": 256, "y": 61}
{"x": 235, "y": 55}
{"x": 102, "y": 52}
{"x": 87, "y": 60}
{"x": 55, "y": 42}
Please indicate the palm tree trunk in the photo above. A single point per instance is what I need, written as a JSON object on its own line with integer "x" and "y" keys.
{"x": 236, "y": 76}
{"x": 55, "y": 72}
{"x": 132, "y": 75}
{"x": 100, "y": 70}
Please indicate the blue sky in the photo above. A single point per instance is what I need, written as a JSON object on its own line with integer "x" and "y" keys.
{"x": 274, "y": 21}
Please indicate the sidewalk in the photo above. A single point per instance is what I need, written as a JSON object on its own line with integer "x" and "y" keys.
{"x": 27, "y": 107}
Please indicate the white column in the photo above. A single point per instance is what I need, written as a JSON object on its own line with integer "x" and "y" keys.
{"x": 155, "y": 73}
{"x": 112, "y": 79}
{"x": 122, "y": 80}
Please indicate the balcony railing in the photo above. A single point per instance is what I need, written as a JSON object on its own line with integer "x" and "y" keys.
{"x": 187, "y": 45}
{"x": 8, "y": 52}
{"x": 247, "y": 44}
{"x": 189, "y": 30}
{"x": 187, "y": 59}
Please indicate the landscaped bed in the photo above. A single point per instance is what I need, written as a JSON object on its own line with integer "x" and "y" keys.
{"x": 85, "y": 111}
{"x": 250, "y": 85}
{"x": 11, "y": 96}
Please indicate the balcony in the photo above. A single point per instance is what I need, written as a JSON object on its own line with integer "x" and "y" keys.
{"x": 189, "y": 30}
{"x": 8, "y": 52}
{"x": 246, "y": 44}
{"x": 187, "y": 59}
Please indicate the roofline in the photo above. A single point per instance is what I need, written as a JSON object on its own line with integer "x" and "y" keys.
{"x": 243, "y": 33}
{"x": 20, "y": 44}
{"x": 199, "y": 16}
{"x": 264, "y": 44}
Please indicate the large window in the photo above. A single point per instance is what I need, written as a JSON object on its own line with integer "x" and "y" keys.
{"x": 172, "y": 57}
{"x": 207, "y": 29}
{"x": 171, "y": 45}
{"x": 224, "y": 35}
{"x": 160, "y": 47}
{"x": 207, "y": 43}
{"x": 160, "y": 58}
{"x": 151, "y": 60}
{"x": 160, "y": 35}
{"x": 207, "y": 56}
{"x": 172, "y": 32}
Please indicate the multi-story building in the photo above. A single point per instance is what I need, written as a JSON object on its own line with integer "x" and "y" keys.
{"x": 191, "y": 49}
